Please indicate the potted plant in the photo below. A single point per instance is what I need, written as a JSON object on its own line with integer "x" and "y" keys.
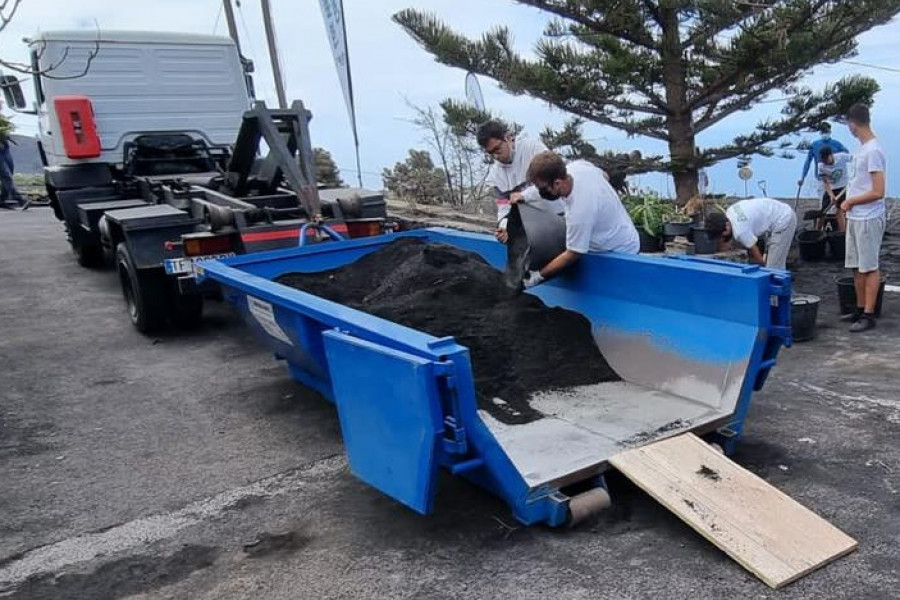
{"x": 678, "y": 224}
{"x": 649, "y": 214}
{"x": 702, "y": 243}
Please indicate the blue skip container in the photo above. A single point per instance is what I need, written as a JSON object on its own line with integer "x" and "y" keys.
{"x": 691, "y": 338}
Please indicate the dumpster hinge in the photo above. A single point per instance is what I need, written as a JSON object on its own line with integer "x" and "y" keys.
{"x": 454, "y": 433}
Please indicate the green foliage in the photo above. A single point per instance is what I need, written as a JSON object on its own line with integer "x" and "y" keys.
{"x": 671, "y": 69}
{"x": 7, "y": 128}
{"x": 327, "y": 173}
{"x": 649, "y": 212}
{"x": 417, "y": 179}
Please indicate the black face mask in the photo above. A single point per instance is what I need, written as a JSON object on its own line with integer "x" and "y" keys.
{"x": 547, "y": 194}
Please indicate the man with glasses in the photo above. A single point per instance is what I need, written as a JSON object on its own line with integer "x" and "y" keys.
{"x": 506, "y": 177}
{"x": 596, "y": 220}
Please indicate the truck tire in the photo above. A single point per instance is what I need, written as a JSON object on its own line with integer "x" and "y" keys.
{"x": 88, "y": 256}
{"x": 145, "y": 292}
{"x": 187, "y": 310}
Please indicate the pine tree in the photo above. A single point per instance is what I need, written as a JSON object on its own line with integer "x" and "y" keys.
{"x": 671, "y": 69}
{"x": 327, "y": 173}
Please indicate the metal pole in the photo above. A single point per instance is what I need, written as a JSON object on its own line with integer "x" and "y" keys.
{"x": 232, "y": 25}
{"x": 352, "y": 101}
{"x": 273, "y": 54}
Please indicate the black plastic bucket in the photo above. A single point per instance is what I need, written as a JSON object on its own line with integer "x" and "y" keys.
{"x": 649, "y": 243}
{"x": 837, "y": 245}
{"x": 847, "y": 295}
{"x": 702, "y": 243}
{"x": 804, "y": 311}
{"x": 812, "y": 244}
{"x": 537, "y": 235}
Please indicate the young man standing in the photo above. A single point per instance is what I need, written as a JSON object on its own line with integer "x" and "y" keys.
{"x": 865, "y": 217}
{"x": 506, "y": 177}
{"x": 748, "y": 220}
{"x": 834, "y": 173}
{"x": 596, "y": 220}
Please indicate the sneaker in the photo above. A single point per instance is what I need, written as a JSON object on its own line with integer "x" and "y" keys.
{"x": 864, "y": 323}
{"x": 852, "y": 317}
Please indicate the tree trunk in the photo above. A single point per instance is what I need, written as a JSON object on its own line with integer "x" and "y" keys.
{"x": 685, "y": 185}
{"x": 679, "y": 120}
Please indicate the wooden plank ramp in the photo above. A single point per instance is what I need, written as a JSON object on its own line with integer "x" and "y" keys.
{"x": 768, "y": 533}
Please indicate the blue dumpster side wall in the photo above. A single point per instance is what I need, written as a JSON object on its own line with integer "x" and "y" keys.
{"x": 704, "y": 311}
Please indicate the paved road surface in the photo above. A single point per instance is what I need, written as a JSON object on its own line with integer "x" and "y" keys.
{"x": 191, "y": 466}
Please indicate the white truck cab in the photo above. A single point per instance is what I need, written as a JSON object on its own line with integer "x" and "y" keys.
{"x": 132, "y": 83}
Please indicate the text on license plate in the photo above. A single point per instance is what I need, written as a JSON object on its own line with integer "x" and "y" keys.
{"x": 184, "y": 266}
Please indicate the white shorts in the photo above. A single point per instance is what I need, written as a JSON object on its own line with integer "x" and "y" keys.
{"x": 864, "y": 244}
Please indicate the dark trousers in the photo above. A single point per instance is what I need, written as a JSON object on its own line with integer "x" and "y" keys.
{"x": 7, "y": 168}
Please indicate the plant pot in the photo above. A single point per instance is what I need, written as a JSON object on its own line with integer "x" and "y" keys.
{"x": 674, "y": 229}
{"x": 702, "y": 243}
{"x": 812, "y": 244}
{"x": 649, "y": 243}
{"x": 847, "y": 295}
{"x": 804, "y": 311}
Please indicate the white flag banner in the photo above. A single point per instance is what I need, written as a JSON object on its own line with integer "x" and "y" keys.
{"x": 333, "y": 13}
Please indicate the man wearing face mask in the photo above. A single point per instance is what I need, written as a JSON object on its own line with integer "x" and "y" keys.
{"x": 596, "y": 220}
{"x": 815, "y": 151}
{"x": 506, "y": 177}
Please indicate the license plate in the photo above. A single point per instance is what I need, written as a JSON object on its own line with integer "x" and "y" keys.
{"x": 186, "y": 266}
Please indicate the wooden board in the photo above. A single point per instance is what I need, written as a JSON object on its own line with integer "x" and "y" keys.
{"x": 768, "y": 533}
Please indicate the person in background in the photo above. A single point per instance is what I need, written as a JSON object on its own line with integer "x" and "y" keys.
{"x": 596, "y": 220}
{"x": 865, "y": 217}
{"x": 506, "y": 177}
{"x": 815, "y": 150}
{"x": 748, "y": 220}
{"x": 8, "y": 189}
{"x": 833, "y": 171}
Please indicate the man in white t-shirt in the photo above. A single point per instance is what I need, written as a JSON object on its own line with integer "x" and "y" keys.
{"x": 748, "y": 220}
{"x": 506, "y": 177}
{"x": 865, "y": 217}
{"x": 596, "y": 220}
{"x": 833, "y": 171}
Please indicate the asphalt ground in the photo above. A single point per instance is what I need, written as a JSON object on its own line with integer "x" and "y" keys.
{"x": 191, "y": 466}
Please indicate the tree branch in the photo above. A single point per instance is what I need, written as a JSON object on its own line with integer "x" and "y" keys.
{"x": 565, "y": 10}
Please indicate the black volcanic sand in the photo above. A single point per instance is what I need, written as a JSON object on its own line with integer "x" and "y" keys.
{"x": 518, "y": 345}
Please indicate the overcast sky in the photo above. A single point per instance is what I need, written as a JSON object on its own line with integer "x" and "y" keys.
{"x": 389, "y": 69}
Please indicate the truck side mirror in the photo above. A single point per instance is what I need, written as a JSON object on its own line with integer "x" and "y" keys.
{"x": 12, "y": 92}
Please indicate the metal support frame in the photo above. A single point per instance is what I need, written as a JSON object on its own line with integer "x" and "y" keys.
{"x": 290, "y": 157}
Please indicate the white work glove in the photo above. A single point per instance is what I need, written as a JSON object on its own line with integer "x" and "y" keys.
{"x": 533, "y": 279}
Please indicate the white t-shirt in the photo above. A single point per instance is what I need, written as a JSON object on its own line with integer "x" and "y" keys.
{"x": 506, "y": 178}
{"x": 838, "y": 173}
{"x": 757, "y": 216}
{"x": 596, "y": 220}
{"x": 868, "y": 159}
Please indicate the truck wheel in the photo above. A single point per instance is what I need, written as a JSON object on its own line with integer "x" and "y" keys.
{"x": 144, "y": 291}
{"x": 88, "y": 256}
{"x": 187, "y": 310}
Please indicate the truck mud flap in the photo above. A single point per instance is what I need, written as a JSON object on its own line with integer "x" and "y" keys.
{"x": 389, "y": 406}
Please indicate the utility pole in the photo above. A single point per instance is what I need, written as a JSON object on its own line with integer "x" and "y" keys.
{"x": 273, "y": 53}
{"x": 232, "y": 25}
